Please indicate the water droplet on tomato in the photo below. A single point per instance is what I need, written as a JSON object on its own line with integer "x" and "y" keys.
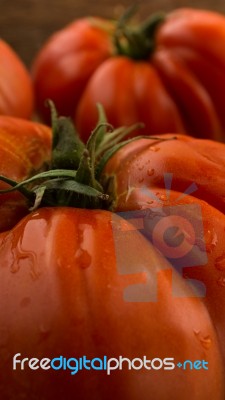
{"x": 15, "y": 267}
{"x": 150, "y": 171}
{"x": 210, "y": 240}
{"x": 83, "y": 258}
{"x": 140, "y": 180}
{"x": 35, "y": 272}
{"x": 154, "y": 148}
{"x": 221, "y": 281}
{"x": 163, "y": 197}
{"x": 205, "y": 340}
{"x": 220, "y": 262}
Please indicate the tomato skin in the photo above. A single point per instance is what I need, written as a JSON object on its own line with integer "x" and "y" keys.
{"x": 212, "y": 270}
{"x": 24, "y": 148}
{"x": 68, "y": 59}
{"x": 16, "y": 90}
{"x": 62, "y": 294}
{"x": 125, "y": 97}
{"x": 152, "y": 173}
{"x": 180, "y": 88}
{"x": 147, "y": 163}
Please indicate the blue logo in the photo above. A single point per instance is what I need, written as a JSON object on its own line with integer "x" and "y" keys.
{"x": 176, "y": 233}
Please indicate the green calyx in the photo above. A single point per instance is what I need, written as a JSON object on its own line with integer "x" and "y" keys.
{"x": 136, "y": 42}
{"x": 73, "y": 176}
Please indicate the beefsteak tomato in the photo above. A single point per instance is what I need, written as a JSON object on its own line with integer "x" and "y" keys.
{"x": 171, "y": 174}
{"x": 63, "y": 287}
{"x": 168, "y": 73}
{"x": 78, "y": 282}
{"x": 25, "y": 147}
{"x": 16, "y": 89}
{"x": 180, "y": 160}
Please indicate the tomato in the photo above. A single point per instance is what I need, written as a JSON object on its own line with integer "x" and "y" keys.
{"x": 16, "y": 91}
{"x": 170, "y": 174}
{"x": 24, "y": 148}
{"x": 168, "y": 73}
{"x": 79, "y": 282}
{"x": 207, "y": 266}
{"x": 63, "y": 293}
{"x": 178, "y": 159}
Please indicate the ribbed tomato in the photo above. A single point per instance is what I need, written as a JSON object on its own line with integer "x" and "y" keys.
{"x": 168, "y": 73}
{"x": 66, "y": 291}
{"x": 173, "y": 159}
{"x": 16, "y": 90}
{"x": 175, "y": 174}
{"x": 79, "y": 282}
{"x": 24, "y": 148}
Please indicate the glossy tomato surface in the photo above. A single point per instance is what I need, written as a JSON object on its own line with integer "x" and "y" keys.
{"x": 179, "y": 162}
{"x": 178, "y": 87}
{"x": 24, "y": 148}
{"x": 190, "y": 233}
{"x": 175, "y": 178}
{"x": 16, "y": 90}
{"x": 67, "y": 290}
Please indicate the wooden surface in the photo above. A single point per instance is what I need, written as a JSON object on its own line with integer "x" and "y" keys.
{"x": 26, "y": 24}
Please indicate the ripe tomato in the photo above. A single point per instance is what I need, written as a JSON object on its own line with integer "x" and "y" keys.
{"x": 184, "y": 159}
{"x": 171, "y": 77}
{"x": 24, "y": 148}
{"x": 174, "y": 173}
{"x": 16, "y": 91}
{"x": 206, "y": 247}
{"x": 62, "y": 293}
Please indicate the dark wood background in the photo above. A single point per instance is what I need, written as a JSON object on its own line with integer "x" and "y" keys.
{"x": 26, "y": 24}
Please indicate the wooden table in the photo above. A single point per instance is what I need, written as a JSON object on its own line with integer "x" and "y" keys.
{"x": 26, "y": 24}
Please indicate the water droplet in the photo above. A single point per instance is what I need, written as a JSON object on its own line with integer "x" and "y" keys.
{"x": 83, "y": 258}
{"x": 15, "y": 267}
{"x": 35, "y": 272}
{"x": 154, "y": 148}
{"x": 163, "y": 197}
{"x": 210, "y": 240}
{"x": 220, "y": 262}
{"x": 221, "y": 281}
{"x": 140, "y": 180}
{"x": 205, "y": 340}
{"x": 141, "y": 168}
{"x": 150, "y": 171}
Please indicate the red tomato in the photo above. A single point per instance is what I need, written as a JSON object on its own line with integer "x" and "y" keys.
{"x": 176, "y": 84}
{"x": 208, "y": 266}
{"x": 24, "y": 148}
{"x": 174, "y": 173}
{"x": 62, "y": 293}
{"x": 16, "y": 91}
{"x": 147, "y": 162}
